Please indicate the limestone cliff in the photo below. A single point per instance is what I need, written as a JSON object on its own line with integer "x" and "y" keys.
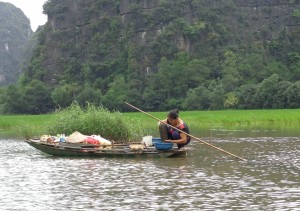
{"x": 98, "y": 36}
{"x": 14, "y": 34}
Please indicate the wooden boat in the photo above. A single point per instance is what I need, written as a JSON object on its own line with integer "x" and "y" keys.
{"x": 89, "y": 150}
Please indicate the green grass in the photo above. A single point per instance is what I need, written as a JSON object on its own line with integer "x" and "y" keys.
{"x": 9, "y": 122}
{"x": 289, "y": 118}
{"x": 229, "y": 118}
{"x": 25, "y": 125}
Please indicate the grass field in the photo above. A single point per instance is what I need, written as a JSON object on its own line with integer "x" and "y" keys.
{"x": 230, "y": 118}
{"x": 8, "y": 122}
{"x": 195, "y": 119}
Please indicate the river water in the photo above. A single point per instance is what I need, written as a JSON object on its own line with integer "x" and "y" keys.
{"x": 204, "y": 180}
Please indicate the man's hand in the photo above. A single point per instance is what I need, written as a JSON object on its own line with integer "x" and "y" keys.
{"x": 169, "y": 140}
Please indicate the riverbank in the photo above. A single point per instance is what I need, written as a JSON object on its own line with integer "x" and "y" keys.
{"x": 289, "y": 118}
{"x": 242, "y": 123}
{"x": 207, "y": 119}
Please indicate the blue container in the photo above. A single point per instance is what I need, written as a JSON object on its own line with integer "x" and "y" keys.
{"x": 156, "y": 140}
{"x": 163, "y": 146}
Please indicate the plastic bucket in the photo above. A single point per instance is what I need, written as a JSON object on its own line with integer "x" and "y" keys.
{"x": 156, "y": 140}
{"x": 147, "y": 140}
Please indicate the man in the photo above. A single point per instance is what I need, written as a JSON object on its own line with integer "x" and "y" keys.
{"x": 169, "y": 134}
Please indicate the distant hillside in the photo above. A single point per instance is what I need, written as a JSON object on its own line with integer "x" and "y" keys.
{"x": 144, "y": 31}
{"x": 15, "y": 31}
{"x": 162, "y": 54}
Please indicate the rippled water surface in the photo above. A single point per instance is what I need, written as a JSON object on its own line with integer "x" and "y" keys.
{"x": 205, "y": 180}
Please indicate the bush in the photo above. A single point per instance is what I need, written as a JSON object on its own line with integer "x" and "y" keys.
{"x": 95, "y": 120}
{"x": 27, "y": 131}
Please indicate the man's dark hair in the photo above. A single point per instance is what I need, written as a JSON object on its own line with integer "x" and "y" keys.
{"x": 173, "y": 114}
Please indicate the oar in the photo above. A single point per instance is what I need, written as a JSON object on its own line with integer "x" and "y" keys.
{"x": 198, "y": 139}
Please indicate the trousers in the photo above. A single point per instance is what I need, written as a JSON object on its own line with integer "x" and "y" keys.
{"x": 163, "y": 132}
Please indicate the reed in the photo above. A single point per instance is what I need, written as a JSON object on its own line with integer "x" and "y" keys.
{"x": 93, "y": 120}
{"x": 141, "y": 124}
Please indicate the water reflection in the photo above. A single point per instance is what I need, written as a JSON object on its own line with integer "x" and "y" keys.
{"x": 205, "y": 180}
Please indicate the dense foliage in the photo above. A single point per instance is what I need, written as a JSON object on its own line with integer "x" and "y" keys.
{"x": 94, "y": 120}
{"x": 159, "y": 60}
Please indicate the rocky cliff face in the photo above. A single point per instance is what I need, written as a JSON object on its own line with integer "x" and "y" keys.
{"x": 98, "y": 31}
{"x": 278, "y": 15}
{"x": 15, "y": 32}
{"x": 244, "y": 17}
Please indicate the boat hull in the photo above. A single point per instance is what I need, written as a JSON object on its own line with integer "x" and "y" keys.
{"x": 87, "y": 150}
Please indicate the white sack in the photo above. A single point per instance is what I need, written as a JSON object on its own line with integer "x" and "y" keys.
{"x": 103, "y": 141}
{"x": 76, "y": 137}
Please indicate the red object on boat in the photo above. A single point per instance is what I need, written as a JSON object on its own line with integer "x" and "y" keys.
{"x": 91, "y": 140}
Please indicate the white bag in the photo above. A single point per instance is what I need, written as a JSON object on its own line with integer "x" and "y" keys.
{"x": 103, "y": 141}
{"x": 76, "y": 137}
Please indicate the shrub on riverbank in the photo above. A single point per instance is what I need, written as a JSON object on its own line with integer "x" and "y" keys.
{"x": 94, "y": 120}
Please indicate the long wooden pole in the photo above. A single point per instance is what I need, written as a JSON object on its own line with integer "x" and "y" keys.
{"x": 198, "y": 139}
